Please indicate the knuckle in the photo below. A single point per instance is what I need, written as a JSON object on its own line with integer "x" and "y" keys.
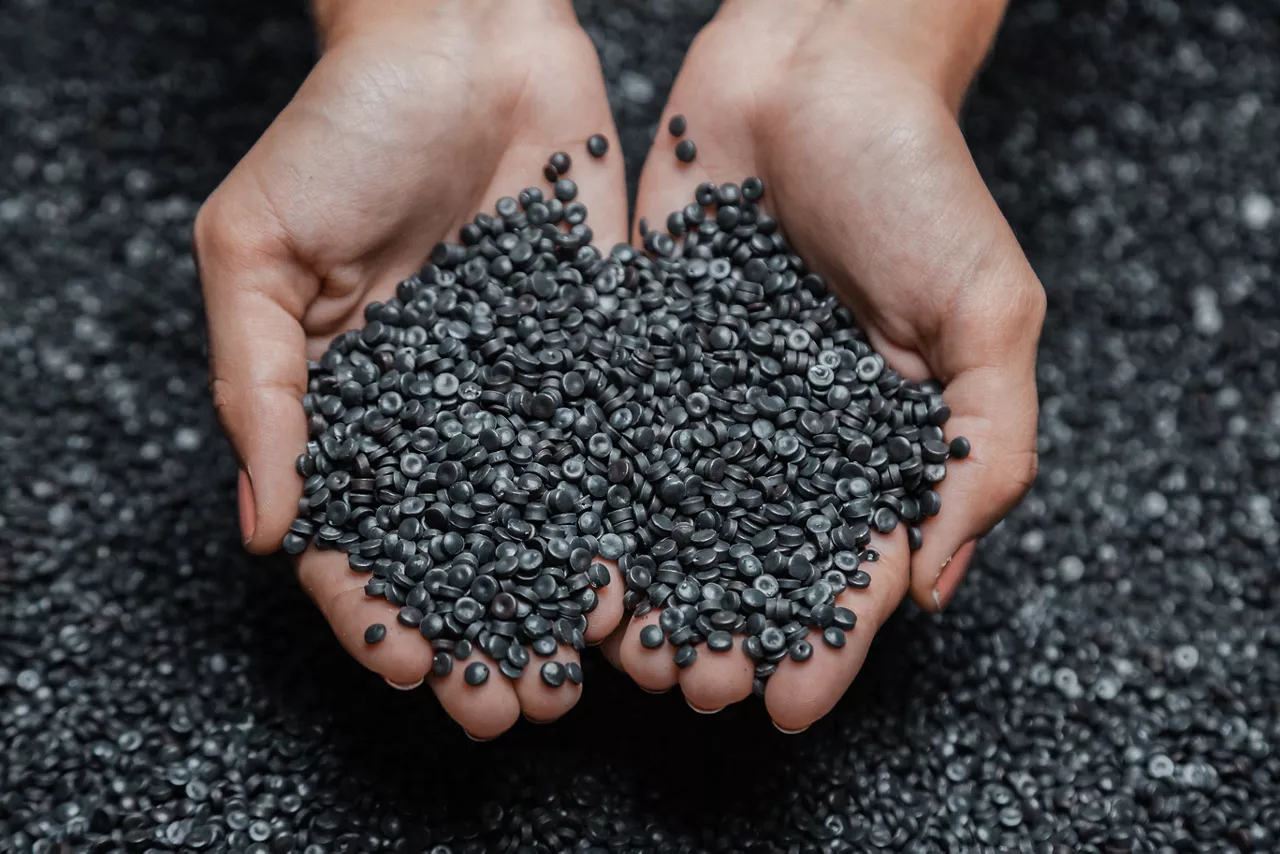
{"x": 1027, "y": 471}
{"x": 230, "y": 235}
{"x": 225, "y": 399}
{"x": 1018, "y": 475}
{"x": 209, "y": 235}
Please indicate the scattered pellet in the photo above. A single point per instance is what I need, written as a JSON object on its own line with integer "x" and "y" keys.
{"x": 677, "y": 126}
{"x": 553, "y": 673}
{"x": 686, "y": 151}
{"x": 477, "y": 673}
{"x": 651, "y": 637}
{"x": 597, "y": 145}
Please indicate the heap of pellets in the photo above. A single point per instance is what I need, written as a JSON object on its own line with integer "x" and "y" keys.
{"x": 706, "y": 413}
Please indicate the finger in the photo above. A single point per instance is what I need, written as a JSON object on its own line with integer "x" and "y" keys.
{"x": 987, "y": 352}
{"x": 654, "y": 670}
{"x": 402, "y": 657}
{"x": 254, "y": 295}
{"x": 716, "y": 679}
{"x": 485, "y": 711}
{"x": 996, "y": 411}
{"x": 605, "y": 617}
{"x": 541, "y": 701}
{"x": 800, "y": 693}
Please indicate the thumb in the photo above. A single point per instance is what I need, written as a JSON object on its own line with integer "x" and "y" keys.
{"x": 254, "y": 297}
{"x": 986, "y": 349}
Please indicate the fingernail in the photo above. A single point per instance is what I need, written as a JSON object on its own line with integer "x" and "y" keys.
{"x": 248, "y": 509}
{"x": 400, "y": 687}
{"x": 704, "y": 711}
{"x": 477, "y": 740}
{"x": 532, "y": 721}
{"x": 952, "y": 571}
{"x": 789, "y": 731}
{"x": 647, "y": 691}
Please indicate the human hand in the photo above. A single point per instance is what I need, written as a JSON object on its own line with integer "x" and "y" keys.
{"x": 417, "y": 115}
{"x": 848, "y": 113}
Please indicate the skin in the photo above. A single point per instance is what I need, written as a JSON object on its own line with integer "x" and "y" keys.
{"x": 405, "y": 128}
{"x": 848, "y": 113}
{"x": 408, "y": 125}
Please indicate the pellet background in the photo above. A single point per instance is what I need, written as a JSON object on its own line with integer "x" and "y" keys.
{"x": 1106, "y": 680}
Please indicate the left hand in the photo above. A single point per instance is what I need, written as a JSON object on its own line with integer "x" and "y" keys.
{"x": 848, "y": 113}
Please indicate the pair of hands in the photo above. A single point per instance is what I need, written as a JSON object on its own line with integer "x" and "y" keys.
{"x": 422, "y": 112}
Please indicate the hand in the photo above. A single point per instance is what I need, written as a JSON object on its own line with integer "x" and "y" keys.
{"x": 848, "y": 113}
{"x": 418, "y": 115}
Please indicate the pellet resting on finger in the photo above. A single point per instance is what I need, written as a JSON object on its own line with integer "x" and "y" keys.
{"x": 705, "y": 412}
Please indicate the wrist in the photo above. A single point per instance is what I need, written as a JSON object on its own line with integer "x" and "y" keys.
{"x": 941, "y": 42}
{"x": 945, "y": 41}
{"x": 337, "y": 19}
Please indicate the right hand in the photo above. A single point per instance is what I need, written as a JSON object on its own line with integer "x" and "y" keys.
{"x": 417, "y": 115}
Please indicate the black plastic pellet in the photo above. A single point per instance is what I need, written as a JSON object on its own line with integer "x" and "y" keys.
{"x": 560, "y": 162}
{"x": 544, "y": 646}
{"x": 801, "y": 650}
{"x": 844, "y": 619}
{"x": 442, "y": 664}
{"x": 685, "y": 656}
{"x": 677, "y": 125}
{"x": 833, "y": 637}
{"x": 566, "y": 189}
{"x": 477, "y": 673}
{"x": 686, "y": 151}
{"x": 651, "y": 637}
{"x": 959, "y": 447}
{"x": 553, "y": 673}
{"x": 597, "y": 145}
{"x": 375, "y": 633}
{"x": 573, "y": 672}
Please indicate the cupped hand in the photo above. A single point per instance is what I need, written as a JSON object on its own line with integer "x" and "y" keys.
{"x": 848, "y": 113}
{"x": 418, "y": 115}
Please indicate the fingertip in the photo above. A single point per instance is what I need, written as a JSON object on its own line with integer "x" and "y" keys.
{"x": 976, "y": 494}
{"x": 483, "y": 711}
{"x": 274, "y": 490}
{"x": 717, "y": 679}
{"x": 541, "y": 701}
{"x": 800, "y": 693}
{"x": 653, "y": 670}
{"x": 608, "y": 613}
{"x": 402, "y": 656}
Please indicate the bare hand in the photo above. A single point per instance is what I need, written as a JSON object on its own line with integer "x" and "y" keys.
{"x": 848, "y": 113}
{"x": 418, "y": 115}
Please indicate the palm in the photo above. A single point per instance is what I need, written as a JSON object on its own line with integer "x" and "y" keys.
{"x": 388, "y": 148}
{"x": 395, "y": 140}
{"x": 867, "y": 172}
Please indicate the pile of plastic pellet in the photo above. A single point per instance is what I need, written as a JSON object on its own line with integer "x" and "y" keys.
{"x": 1104, "y": 681}
{"x": 707, "y": 414}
